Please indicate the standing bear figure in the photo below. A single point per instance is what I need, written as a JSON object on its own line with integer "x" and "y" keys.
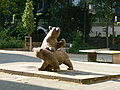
{"x": 50, "y": 41}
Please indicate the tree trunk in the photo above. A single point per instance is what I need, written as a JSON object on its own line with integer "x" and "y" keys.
{"x": 107, "y": 39}
{"x": 113, "y": 32}
{"x": 84, "y": 34}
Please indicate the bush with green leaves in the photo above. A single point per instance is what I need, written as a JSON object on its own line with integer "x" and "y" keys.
{"x": 9, "y": 42}
{"x": 79, "y": 44}
{"x": 3, "y": 34}
{"x": 17, "y": 30}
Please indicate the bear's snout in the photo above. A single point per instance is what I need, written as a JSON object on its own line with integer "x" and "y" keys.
{"x": 58, "y": 29}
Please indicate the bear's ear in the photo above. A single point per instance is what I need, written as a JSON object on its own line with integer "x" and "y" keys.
{"x": 40, "y": 50}
{"x": 50, "y": 27}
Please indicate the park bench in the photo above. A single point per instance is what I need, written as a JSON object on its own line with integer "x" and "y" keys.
{"x": 92, "y": 55}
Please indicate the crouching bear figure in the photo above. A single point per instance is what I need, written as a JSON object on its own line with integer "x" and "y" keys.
{"x": 52, "y": 60}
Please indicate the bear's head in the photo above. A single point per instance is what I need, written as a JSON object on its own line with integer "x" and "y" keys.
{"x": 54, "y": 31}
{"x": 39, "y": 53}
{"x": 43, "y": 53}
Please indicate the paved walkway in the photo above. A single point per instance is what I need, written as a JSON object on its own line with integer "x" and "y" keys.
{"x": 25, "y": 63}
{"x": 17, "y": 82}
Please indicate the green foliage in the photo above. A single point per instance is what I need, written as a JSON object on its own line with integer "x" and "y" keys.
{"x": 105, "y": 8}
{"x": 8, "y": 8}
{"x": 20, "y": 31}
{"x": 9, "y": 42}
{"x": 12, "y": 43}
{"x": 28, "y": 17}
{"x": 78, "y": 44}
{"x": 3, "y": 34}
{"x": 17, "y": 30}
{"x": 70, "y": 19}
{"x": 4, "y": 12}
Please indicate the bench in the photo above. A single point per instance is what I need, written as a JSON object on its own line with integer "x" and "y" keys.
{"x": 92, "y": 55}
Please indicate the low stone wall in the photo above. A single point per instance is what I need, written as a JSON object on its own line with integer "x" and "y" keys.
{"x": 101, "y": 42}
{"x": 34, "y": 44}
{"x": 97, "y": 42}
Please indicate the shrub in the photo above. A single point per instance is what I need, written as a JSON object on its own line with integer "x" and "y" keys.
{"x": 3, "y": 34}
{"x": 9, "y": 42}
{"x": 18, "y": 31}
{"x": 79, "y": 44}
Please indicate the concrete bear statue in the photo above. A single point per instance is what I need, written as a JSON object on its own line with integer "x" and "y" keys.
{"x": 52, "y": 60}
{"x": 50, "y": 41}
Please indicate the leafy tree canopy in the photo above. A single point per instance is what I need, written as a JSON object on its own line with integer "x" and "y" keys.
{"x": 8, "y": 8}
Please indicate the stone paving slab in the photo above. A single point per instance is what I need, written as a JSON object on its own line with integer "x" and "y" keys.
{"x": 25, "y": 63}
{"x": 83, "y": 72}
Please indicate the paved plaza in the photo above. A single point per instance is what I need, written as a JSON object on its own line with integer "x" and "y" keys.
{"x": 24, "y": 64}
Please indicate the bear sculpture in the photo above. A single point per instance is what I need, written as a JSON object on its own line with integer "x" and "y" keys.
{"x": 52, "y": 60}
{"x": 50, "y": 41}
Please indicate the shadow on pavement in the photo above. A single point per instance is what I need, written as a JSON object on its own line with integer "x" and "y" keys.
{"x": 7, "y": 58}
{"x": 77, "y": 72}
{"x": 8, "y": 85}
{"x": 116, "y": 80}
